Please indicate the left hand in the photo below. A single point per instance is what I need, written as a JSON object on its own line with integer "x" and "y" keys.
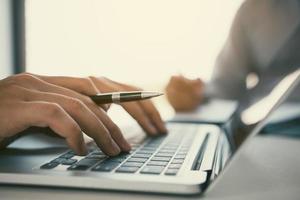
{"x": 185, "y": 94}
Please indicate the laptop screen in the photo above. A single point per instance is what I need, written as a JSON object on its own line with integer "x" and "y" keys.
{"x": 254, "y": 109}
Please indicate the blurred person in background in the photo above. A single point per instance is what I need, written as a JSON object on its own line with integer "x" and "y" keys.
{"x": 264, "y": 37}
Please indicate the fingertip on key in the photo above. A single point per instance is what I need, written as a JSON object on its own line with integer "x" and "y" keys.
{"x": 115, "y": 150}
{"x": 125, "y": 147}
{"x": 152, "y": 130}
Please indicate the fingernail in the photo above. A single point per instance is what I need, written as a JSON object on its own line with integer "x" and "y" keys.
{"x": 126, "y": 146}
{"x": 115, "y": 149}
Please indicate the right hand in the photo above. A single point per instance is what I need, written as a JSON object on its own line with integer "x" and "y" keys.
{"x": 184, "y": 94}
{"x": 62, "y": 104}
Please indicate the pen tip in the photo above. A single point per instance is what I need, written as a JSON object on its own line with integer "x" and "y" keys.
{"x": 151, "y": 94}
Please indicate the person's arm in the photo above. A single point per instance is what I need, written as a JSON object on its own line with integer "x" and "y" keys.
{"x": 235, "y": 61}
{"x": 63, "y": 105}
{"x": 233, "y": 64}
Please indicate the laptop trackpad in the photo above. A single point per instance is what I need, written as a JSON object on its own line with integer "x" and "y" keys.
{"x": 38, "y": 141}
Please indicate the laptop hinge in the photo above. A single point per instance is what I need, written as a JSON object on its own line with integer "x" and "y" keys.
{"x": 198, "y": 160}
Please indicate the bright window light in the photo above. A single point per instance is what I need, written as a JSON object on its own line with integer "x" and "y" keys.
{"x": 136, "y": 41}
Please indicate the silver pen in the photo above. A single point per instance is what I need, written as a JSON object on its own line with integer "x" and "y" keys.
{"x": 119, "y": 97}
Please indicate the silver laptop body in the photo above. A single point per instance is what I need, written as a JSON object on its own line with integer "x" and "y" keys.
{"x": 185, "y": 161}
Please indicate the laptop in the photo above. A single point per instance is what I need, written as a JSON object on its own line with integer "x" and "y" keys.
{"x": 185, "y": 161}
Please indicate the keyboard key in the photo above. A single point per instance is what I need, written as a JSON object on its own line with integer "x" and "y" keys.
{"x": 177, "y": 161}
{"x": 142, "y": 160}
{"x": 116, "y": 159}
{"x": 68, "y": 161}
{"x": 157, "y": 163}
{"x": 127, "y": 169}
{"x": 164, "y": 154}
{"x": 157, "y": 158}
{"x": 87, "y": 162}
{"x": 64, "y": 161}
{"x": 109, "y": 162}
{"x": 94, "y": 156}
{"x": 179, "y": 156}
{"x": 49, "y": 165}
{"x": 171, "y": 172}
{"x": 67, "y": 155}
{"x": 185, "y": 148}
{"x": 181, "y": 153}
{"x": 153, "y": 146}
{"x": 132, "y": 164}
{"x": 174, "y": 166}
{"x": 140, "y": 155}
{"x": 169, "y": 148}
{"x": 166, "y": 151}
{"x": 106, "y": 166}
{"x": 119, "y": 158}
{"x": 152, "y": 169}
{"x": 78, "y": 167}
{"x": 58, "y": 160}
{"x": 146, "y": 151}
{"x": 157, "y": 140}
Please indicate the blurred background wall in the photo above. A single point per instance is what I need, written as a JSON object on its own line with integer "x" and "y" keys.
{"x": 6, "y": 59}
{"x": 137, "y": 41}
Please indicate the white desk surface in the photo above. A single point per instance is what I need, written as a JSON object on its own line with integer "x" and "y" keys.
{"x": 268, "y": 168}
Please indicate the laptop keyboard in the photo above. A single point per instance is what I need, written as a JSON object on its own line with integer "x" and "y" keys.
{"x": 160, "y": 155}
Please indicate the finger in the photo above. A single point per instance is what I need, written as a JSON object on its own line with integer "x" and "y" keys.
{"x": 86, "y": 119}
{"x": 140, "y": 116}
{"x": 43, "y": 114}
{"x": 104, "y": 85}
{"x": 154, "y": 115}
{"x": 81, "y": 85}
{"x": 133, "y": 108}
{"x": 148, "y": 108}
{"x": 48, "y": 87}
{"x": 115, "y": 131}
